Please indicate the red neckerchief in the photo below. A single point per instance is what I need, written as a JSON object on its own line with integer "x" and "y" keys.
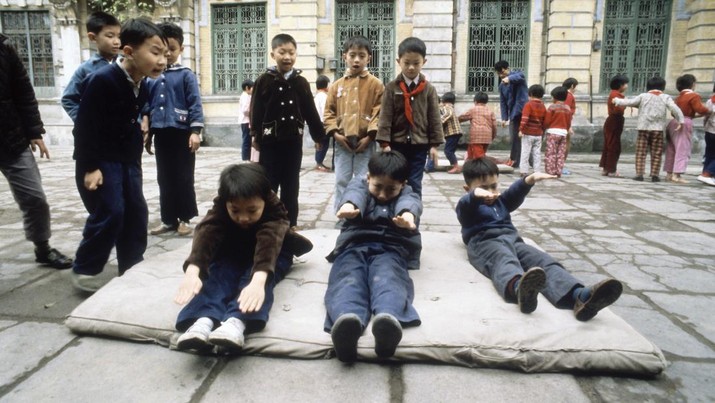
{"x": 407, "y": 95}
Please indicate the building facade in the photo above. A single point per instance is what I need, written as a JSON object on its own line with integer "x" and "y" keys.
{"x": 550, "y": 40}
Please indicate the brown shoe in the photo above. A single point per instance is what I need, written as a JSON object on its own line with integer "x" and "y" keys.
{"x": 162, "y": 229}
{"x": 603, "y": 294}
{"x": 184, "y": 229}
{"x": 530, "y": 285}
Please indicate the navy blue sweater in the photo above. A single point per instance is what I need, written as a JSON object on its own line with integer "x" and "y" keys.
{"x": 107, "y": 126}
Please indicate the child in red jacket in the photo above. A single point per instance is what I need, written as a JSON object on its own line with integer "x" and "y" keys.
{"x": 557, "y": 124}
{"x": 531, "y": 129}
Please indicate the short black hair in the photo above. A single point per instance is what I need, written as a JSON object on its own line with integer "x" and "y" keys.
{"x": 570, "y": 82}
{"x": 479, "y": 168}
{"x": 536, "y": 91}
{"x": 501, "y": 65}
{"x": 358, "y": 41}
{"x": 172, "y": 31}
{"x": 559, "y": 93}
{"x": 684, "y": 82}
{"x": 655, "y": 83}
{"x": 322, "y": 82}
{"x": 618, "y": 81}
{"x": 282, "y": 39}
{"x": 99, "y": 19}
{"x": 247, "y": 83}
{"x": 243, "y": 181}
{"x": 481, "y": 97}
{"x": 412, "y": 44}
{"x": 389, "y": 163}
{"x": 135, "y": 31}
{"x": 449, "y": 97}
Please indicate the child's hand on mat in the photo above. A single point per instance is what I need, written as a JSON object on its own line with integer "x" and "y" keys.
{"x": 538, "y": 176}
{"x": 190, "y": 285}
{"x": 252, "y": 296}
{"x": 405, "y": 220}
{"x": 93, "y": 180}
{"x": 347, "y": 211}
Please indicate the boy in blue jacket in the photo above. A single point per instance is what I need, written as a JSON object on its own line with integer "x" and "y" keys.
{"x": 379, "y": 241}
{"x": 102, "y": 29}
{"x": 108, "y": 145}
{"x": 519, "y": 271}
{"x": 513, "y": 95}
{"x": 177, "y": 118}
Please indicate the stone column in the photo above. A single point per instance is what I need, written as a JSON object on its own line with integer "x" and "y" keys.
{"x": 65, "y": 16}
{"x": 299, "y": 18}
{"x": 434, "y": 22}
{"x": 700, "y": 44}
{"x": 570, "y": 35}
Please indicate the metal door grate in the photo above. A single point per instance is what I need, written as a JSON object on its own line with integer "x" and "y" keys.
{"x": 30, "y": 33}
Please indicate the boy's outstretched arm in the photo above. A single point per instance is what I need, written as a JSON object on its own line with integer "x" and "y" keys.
{"x": 348, "y": 211}
{"x": 536, "y": 177}
{"x": 253, "y": 295}
{"x": 190, "y": 285}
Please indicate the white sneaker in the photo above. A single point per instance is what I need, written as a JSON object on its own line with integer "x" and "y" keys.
{"x": 707, "y": 180}
{"x": 229, "y": 335}
{"x": 197, "y": 336}
{"x": 85, "y": 282}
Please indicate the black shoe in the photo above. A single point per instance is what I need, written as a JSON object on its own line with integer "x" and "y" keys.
{"x": 638, "y": 178}
{"x": 655, "y": 178}
{"x": 345, "y": 334}
{"x": 530, "y": 285}
{"x": 53, "y": 258}
{"x": 603, "y": 294}
{"x": 388, "y": 333}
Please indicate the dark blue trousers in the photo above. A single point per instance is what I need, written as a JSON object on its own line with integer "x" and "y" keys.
{"x": 118, "y": 217}
{"x": 320, "y": 154}
{"x": 500, "y": 255}
{"x": 709, "y": 160}
{"x": 175, "y": 165}
{"x": 245, "y": 142}
{"x": 282, "y": 164}
{"x": 368, "y": 279}
{"x": 218, "y": 298}
{"x": 416, "y": 156}
{"x": 450, "y": 146}
{"x": 515, "y": 154}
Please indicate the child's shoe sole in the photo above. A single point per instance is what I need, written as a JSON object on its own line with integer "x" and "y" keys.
{"x": 192, "y": 341}
{"x": 531, "y": 284}
{"x": 388, "y": 333}
{"x": 345, "y": 334}
{"x": 603, "y": 294}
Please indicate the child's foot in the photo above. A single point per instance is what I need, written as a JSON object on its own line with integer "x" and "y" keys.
{"x": 600, "y": 295}
{"x": 655, "y": 178}
{"x": 678, "y": 179}
{"x": 638, "y": 178}
{"x": 322, "y": 168}
{"x": 530, "y": 284}
{"x": 162, "y": 229}
{"x": 708, "y": 180}
{"x": 229, "y": 335}
{"x": 197, "y": 336}
{"x": 668, "y": 177}
{"x": 85, "y": 282}
{"x": 456, "y": 169}
{"x": 52, "y": 258}
{"x": 388, "y": 333}
{"x": 345, "y": 334}
{"x": 184, "y": 228}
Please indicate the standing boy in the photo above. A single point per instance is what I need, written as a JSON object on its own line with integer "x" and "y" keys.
{"x": 177, "y": 118}
{"x": 513, "y": 95}
{"x": 281, "y": 105}
{"x": 351, "y": 114}
{"x": 108, "y": 149}
{"x": 652, "y": 117}
{"x": 320, "y": 99}
{"x": 482, "y": 126}
{"x": 409, "y": 116}
{"x": 103, "y": 30}
{"x": 20, "y": 135}
{"x": 451, "y": 129}
{"x": 531, "y": 129}
{"x": 557, "y": 124}
{"x": 244, "y": 117}
{"x": 377, "y": 245}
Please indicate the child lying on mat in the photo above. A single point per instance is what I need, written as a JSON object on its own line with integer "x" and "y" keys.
{"x": 378, "y": 242}
{"x": 519, "y": 271}
{"x": 241, "y": 249}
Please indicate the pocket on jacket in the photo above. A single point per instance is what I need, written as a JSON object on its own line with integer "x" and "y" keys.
{"x": 182, "y": 115}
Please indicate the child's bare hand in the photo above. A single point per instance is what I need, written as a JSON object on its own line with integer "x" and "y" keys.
{"x": 147, "y": 143}
{"x": 342, "y": 140}
{"x": 521, "y": 135}
{"x": 362, "y": 144}
{"x": 39, "y": 144}
{"x": 680, "y": 126}
{"x": 386, "y": 149}
{"x": 488, "y": 197}
{"x": 538, "y": 176}
{"x": 190, "y": 285}
{"x": 348, "y": 211}
{"x": 405, "y": 220}
{"x": 252, "y": 296}
{"x": 93, "y": 180}
{"x": 194, "y": 142}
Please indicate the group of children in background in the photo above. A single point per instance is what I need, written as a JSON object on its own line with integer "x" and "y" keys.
{"x": 228, "y": 290}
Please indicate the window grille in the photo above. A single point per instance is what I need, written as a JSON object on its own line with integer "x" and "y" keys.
{"x": 239, "y": 45}
{"x": 498, "y": 30}
{"x": 635, "y": 35}
{"x": 373, "y": 20}
{"x": 30, "y": 33}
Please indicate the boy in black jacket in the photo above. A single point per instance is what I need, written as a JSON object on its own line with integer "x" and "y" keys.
{"x": 281, "y": 105}
{"x": 108, "y": 149}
